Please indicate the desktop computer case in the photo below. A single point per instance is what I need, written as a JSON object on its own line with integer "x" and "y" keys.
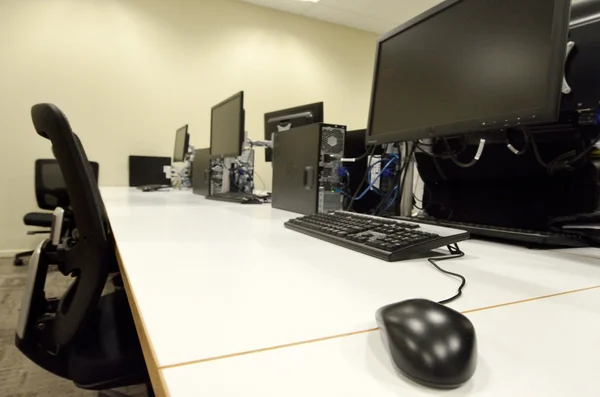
{"x": 306, "y": 163}
{"x": 522, "y": 203}
{"x": 201, "y": 172}
{"x": 238, "y": 179}
{"x": 244, "y": 180}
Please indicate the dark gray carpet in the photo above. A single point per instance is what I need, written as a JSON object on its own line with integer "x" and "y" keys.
{"x": 19, "y": 377}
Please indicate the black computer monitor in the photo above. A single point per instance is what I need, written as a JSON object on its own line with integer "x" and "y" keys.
{"x": 469, "y": 65}
{"x": 286, "y": 119}
{"x": 182, "y": 142}
{"x": 227, "y": 127}
{"x": 149, "y": 170}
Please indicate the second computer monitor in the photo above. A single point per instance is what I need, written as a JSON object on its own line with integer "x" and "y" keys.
{"x": 182, "y": 142}
{"x": 286, "y": 119}
{"x": 469, "y": 65}
{"x": 227, "y": 127}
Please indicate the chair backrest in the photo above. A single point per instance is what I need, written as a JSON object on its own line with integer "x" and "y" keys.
{"x": 50, "y": 189}
{"x": 93, "y": 253}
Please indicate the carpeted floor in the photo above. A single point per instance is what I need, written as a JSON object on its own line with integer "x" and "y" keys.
{"x": 19, "y": 377}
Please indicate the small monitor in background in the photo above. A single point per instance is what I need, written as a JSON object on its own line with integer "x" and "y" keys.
{"x": 227, "y": 127}
{"x": 149, "y": 170}
{"x": 286, "y": 119}
{"x": 182, "y": 141}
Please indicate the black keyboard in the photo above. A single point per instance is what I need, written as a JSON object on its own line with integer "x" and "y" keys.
{"x": 383, "y": 238}
{"x": 232, "y": 197}
{"x": 553, "y": 239}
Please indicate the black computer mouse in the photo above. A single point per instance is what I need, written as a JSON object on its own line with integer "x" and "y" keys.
{"x": 430, "y": 343}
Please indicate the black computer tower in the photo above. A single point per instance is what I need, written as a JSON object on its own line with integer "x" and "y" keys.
{"x": 201, "y": 172}
{"x": 149, "y": 170}
{"x": 306, "y": 163}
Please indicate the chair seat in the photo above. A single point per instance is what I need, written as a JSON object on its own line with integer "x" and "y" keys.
{"x": 41, "y": 219}
{"x": 108, "y": 354}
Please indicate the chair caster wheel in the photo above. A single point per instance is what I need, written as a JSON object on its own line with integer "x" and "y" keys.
{"x": 18, "y": 262}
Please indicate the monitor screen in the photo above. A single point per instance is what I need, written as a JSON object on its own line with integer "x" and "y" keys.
{"x": 181, "y": 144}
{"x": 286, "y": 119}
{"x": 468, "y": 65}
{"x": 227, "y": 127}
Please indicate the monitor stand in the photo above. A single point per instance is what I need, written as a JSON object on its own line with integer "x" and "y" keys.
{"x": 406, "y": 201}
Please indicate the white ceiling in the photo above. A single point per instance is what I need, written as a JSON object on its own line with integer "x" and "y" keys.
{"x": 378, "y": 16}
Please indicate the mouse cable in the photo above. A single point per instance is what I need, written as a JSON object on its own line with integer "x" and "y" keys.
{"x": 455, "y": 252}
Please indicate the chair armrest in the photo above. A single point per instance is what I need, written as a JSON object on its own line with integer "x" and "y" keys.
{"x": 56, "y": 230}
{"x": 31, "y": 232}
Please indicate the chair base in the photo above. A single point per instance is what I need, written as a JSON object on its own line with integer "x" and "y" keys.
{"x": 18, "y": 261}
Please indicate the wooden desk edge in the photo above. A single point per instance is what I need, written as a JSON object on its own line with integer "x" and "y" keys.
{"x": 158, "y": 382}
{"x": 349, "y": 334}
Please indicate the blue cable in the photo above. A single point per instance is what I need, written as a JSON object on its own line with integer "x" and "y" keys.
{"x": 394, "y": 158}
{"x": 371, "y": 169}
{"x": 341, "y": 191}
{"x": 342, "y": 171}
{"x": 371, "y": 183}
{"x": 392, "y": 201}
{"x": 242, "y": 171}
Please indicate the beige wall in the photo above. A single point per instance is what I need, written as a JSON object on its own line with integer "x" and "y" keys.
{"x": 129, "y": 72}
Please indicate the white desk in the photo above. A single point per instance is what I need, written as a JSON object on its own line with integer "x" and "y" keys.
{"x": 211, "y": 279}
{"x": 543, "y": 348}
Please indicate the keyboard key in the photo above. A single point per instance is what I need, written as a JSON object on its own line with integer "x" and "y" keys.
{"x": 373, "y": 243}
{"x": 421, "y": 238}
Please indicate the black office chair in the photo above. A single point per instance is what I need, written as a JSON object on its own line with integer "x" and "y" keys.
{"x": 50, "y": 192}
{"x": 83, "y": 336}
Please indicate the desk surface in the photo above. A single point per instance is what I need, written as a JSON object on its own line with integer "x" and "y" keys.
{"x": 213, "y": 279}
{"x": 544, "y": 348}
